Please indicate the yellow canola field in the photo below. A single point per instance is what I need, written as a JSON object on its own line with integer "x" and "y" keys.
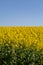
{"x": 22, "y": 34}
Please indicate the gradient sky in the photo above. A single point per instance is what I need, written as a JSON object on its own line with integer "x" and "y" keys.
{"x": 21, "y": 12}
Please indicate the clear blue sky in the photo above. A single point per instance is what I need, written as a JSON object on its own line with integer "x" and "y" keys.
{"x": 21, "y": 12}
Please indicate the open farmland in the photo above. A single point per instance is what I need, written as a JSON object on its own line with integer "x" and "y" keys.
{"x": 21, "y": 45}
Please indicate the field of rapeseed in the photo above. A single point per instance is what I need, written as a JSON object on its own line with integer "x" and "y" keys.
{"x": 21, "y": 45}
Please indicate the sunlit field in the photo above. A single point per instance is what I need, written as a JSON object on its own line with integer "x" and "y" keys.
{"x": 21, "y": 45}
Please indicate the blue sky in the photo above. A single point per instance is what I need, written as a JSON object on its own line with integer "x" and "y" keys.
{"x": 21, "y": 12}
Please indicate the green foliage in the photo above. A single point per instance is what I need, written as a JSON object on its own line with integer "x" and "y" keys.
{"x": 21, "y": 55}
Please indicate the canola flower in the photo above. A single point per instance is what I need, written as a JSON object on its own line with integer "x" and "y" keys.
{"x": 24, "y": 35}
{"x": 21, "y": 45}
